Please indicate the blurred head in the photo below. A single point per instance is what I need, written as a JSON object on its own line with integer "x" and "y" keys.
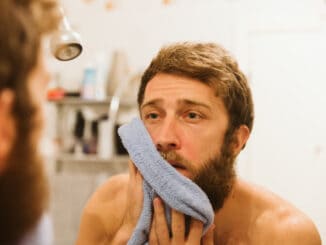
{"x": 198, "y": 108}
{"x": 23, "y": 189}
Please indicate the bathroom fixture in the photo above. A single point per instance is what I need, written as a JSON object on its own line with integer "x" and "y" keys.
{"x": 65, "y": 43}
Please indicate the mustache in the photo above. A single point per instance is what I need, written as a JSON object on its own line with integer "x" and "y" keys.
{"x": 172, "y": 156}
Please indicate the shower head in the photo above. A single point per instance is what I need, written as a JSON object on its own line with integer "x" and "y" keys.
{"x": 65, "y": 43}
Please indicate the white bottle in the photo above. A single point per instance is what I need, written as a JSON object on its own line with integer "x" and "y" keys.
{"x": 106, "y": 139}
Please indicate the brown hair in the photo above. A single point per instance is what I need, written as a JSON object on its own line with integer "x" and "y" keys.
{"x": 212, "y": 65}
{"x": 23, "y": 186}
{"x": 23, "y": 22}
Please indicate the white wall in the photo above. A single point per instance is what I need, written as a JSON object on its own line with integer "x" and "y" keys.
{"x": 286, "y": 50}
{"x": 140, "y": 28}
{"x": 288, "y": 143}
{"x": 281, "y": 45}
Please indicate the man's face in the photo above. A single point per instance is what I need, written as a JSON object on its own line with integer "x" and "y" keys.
{"x": 23, "y": 178}
{"x": 187, "y": 123}
{"x": 38, "y": 81}
{"x": 184, "y": 116}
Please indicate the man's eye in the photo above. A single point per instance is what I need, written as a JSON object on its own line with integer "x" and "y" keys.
{"x": 152, "y": 116}
{"x": 193, "y": 115}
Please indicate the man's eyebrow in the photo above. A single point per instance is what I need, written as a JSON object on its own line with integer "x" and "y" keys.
{"x": 187, "y": 102}
{"x": 153, "y": 102}
{"x": 193, "y": 103}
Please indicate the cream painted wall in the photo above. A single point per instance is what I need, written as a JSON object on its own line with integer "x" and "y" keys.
{"x": 286, "y": 50}
{"x": 281, "y": 45}
{"x": 288, "y": 143}
{"x": 140, "y": 28}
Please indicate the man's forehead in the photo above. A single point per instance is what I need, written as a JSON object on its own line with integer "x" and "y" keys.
{"x": 176, "y": 84}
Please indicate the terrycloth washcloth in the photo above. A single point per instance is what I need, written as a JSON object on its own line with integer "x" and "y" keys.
{"x": 160, "y": 178}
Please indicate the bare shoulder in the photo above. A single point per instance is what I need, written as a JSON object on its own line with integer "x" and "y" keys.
{"x": 112, "y": 191}
{"x": 277, "y": 221}
{"x": 103, "y": 213}
{"x": 286, "y": 225}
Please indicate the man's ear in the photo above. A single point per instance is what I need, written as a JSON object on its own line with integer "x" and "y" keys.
{"x": 7, "y": 126}
{"x": 241, "y": 137}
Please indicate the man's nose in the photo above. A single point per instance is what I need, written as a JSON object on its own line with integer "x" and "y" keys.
{"x": 167, "y": 138}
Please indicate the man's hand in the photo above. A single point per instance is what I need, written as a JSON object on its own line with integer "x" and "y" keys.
{"x": 159, "y": 233}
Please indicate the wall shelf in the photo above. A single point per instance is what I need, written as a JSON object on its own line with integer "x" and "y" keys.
{"x": 90, "y": 163}
{"x": 109, "y": 106}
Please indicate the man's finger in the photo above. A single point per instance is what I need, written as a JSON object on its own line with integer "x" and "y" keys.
{"x": 132, "y": 170}
{"x": 152, "y": 234}
{"x": 208, "y": 239}
{"x": 161, "y": 227}
{"x": 178, "y": 227}
{"x": 195, "y": 232}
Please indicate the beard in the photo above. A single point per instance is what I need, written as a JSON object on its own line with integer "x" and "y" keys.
{"x": 23, "y": 185}
{"x": 216, "y": 179}
{"x": 216, "y": 176}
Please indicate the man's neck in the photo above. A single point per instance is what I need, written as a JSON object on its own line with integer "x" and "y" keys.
{"x": 234, "y": 217}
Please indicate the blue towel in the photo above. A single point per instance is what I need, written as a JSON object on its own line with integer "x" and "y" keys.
{"x": 160, "y": 178}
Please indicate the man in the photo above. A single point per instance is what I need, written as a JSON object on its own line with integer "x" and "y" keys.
{"x": 23, "y": 80}
{"x": 197, "y": 107}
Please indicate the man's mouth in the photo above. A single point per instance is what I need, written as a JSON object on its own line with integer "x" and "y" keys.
{"x": 178, "y": 166}
{"x": 181, "y": 169}
{"x": 177, "y": 163}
